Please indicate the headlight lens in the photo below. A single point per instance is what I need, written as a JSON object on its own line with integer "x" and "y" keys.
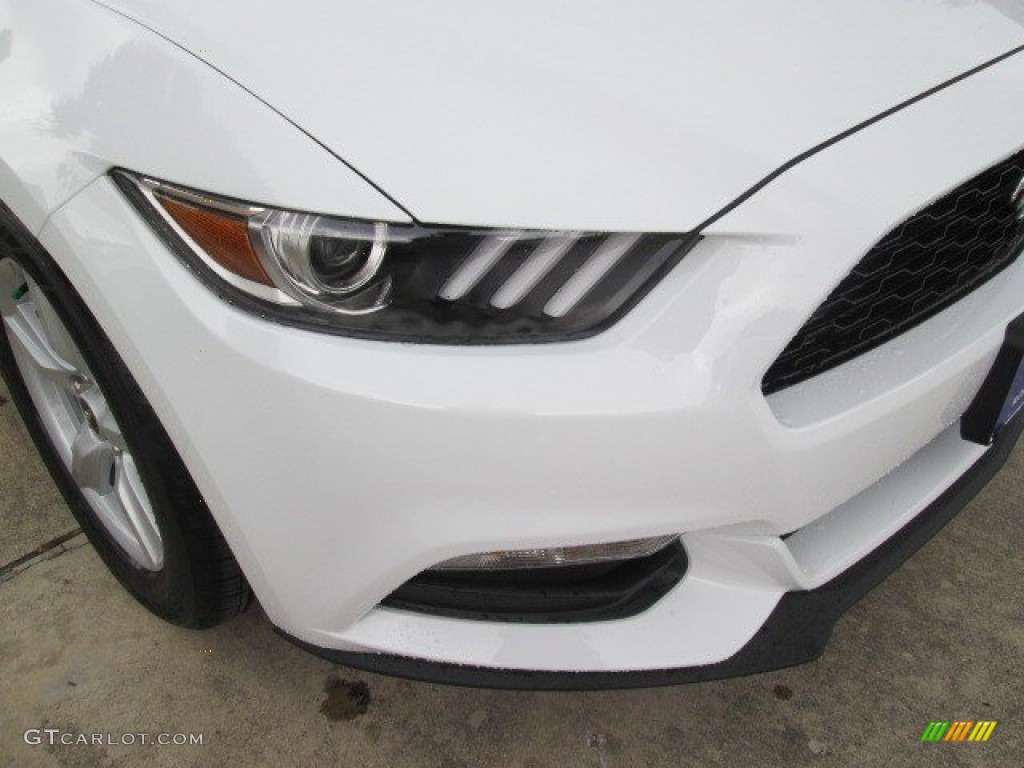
{"x": 406, "y": 281}
{"x": 326, "y": 263}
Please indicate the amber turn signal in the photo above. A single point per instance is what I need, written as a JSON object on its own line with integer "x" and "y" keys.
{"x": 224, "y": 236}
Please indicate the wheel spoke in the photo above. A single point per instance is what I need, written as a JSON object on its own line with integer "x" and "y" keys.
{"x": 26, "y": 331}
{"x": 53, "y": 329}
{"x": 138, "y": 514}
{"x": 92, "y": 462}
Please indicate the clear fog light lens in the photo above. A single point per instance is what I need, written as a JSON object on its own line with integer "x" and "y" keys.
{"x": 557, "y": 556}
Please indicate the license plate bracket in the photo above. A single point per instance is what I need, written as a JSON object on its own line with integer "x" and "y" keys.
{"x": 1001, "y": 397}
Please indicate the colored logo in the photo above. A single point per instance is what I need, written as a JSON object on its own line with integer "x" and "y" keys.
{"x": 958, "y": 730}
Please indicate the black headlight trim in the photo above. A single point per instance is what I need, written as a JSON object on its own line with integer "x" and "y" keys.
{"x": 468, "y": 321}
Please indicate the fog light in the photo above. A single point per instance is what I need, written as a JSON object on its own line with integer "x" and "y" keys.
{"x": 557, "y": 556}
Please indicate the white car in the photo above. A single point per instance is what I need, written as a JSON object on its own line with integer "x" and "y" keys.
{"x": 524, "y": 344}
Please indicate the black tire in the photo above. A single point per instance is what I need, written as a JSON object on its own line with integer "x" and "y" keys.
{"x": 200, "y": 584}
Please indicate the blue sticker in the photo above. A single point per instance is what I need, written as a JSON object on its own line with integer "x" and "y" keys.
{"x": 1014, "y": 401}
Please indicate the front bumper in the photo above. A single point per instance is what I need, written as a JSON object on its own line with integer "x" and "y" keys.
{"x": 797, "y": 630}
{"x": 338, "y": 469}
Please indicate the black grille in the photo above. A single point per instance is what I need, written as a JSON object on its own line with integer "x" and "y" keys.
{"x": 936, "y": 257}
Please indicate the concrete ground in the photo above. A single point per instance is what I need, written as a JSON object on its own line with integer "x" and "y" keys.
{"x": 942, "y": 639}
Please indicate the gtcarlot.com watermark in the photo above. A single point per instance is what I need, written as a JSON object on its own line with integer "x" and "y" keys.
{"x": 55, "y": 736}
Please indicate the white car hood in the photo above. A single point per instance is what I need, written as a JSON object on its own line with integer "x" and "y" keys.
{"x": 579, "y": 114}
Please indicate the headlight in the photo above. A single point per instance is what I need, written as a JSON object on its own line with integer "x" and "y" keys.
{"x": 406, "y": 282}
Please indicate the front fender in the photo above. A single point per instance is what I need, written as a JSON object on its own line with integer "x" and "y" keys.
{"x": 83, "y": 89}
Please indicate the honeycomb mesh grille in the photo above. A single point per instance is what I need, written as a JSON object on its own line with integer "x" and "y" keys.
{"x": 931, "y": 260}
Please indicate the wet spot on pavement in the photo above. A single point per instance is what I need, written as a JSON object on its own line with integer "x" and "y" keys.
{"x": 346, "y": 699}
{"x": 783, "y": 692}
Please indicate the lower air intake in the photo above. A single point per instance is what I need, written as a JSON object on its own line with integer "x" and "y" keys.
{"x": 562, "y": 594}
